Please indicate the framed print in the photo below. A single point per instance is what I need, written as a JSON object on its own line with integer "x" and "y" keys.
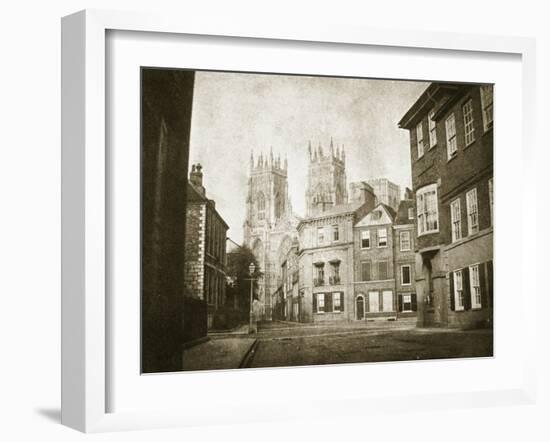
{"x": 249, "y": 209}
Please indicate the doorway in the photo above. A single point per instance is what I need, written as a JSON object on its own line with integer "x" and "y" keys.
{"x": 360, "y": 307}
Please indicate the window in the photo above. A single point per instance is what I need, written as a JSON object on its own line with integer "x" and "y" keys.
{"x": 320, "y": 271}
{"x": 335, "y": 233}
{"x": 491, "y": 199}
{"x": 387, "y": 301}
{"x": 456, "y": 232}
{"x": 374, "y": 304}
{"x": 468, "y": 115}
{"x": 471, "y": 205}
{"x": 260, "y": 201}
{"x": 450, "y": 130}
{"x": 406, "y": 275}
{"x": 337, "y": 301}
{"x": 382, "y": 237}
{"x": 405, "y": 241}
{"x": 420, "y": 140}
{"x": 411, "y": 213}
{"x": 426, "y": 210}
{"x": 407, "y": 303}
{"x": 431, "y": 129}
{"x": 320, "y": 302}
{"x": 365, "y": 239}
{"x": 475, "y": 287}
{"x": 320, "y": 235}
{"x": 382, "y": 270}
{"x": 487, "y": 106}
{"x": 335, "y": 278}
{"x": 365, "y": 271}
{"x": 459, "y": 291}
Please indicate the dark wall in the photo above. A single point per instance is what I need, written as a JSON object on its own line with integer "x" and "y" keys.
{"x": 472, "y": 166}
{"x": 166, "y": 102}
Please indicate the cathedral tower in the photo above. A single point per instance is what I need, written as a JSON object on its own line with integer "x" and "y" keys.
{"x": 326, "y": 179}
{"x": 267, "y": 198}
{"x": 268, "y": 210}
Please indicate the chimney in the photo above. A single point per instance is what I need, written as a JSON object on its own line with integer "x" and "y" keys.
{"x": 361, "y": 192}
{"x": 408, "y": 194}
{"x": 195, "y": 178}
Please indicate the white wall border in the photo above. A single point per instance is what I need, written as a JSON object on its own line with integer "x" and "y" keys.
{"x": 84, "y": 202}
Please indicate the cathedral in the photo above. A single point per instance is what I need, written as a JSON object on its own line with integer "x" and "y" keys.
{"x": 271, "y": 228}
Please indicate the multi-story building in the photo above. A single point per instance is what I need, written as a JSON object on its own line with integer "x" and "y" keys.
{"x": 404, "y": 258}
{"x": 205, "y": 254}
{"x": 326, "y": 253}
{"x": 451, "y": 138}
{"x": 386, "y": 192}
{"x": 374, "y": 281}
{"x": 287, "y": 301}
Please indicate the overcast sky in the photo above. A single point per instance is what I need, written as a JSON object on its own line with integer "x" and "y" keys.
{"x": 236, "y": 113}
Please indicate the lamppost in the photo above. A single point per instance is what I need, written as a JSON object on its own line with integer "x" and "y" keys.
{"x": 251, "y": 269}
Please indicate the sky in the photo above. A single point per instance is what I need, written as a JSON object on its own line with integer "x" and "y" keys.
{"x": 236, "y": 113}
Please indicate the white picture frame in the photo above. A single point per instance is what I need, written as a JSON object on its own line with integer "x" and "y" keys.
{"x": 85, "y": 202}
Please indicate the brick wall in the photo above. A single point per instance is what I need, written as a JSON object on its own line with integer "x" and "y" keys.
{"x": 195, "y": 250}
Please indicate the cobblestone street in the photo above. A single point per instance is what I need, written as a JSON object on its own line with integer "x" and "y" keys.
{"x": 284, "y": 344}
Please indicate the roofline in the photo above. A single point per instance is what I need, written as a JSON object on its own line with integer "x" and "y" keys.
{"x": 427, "y": 97}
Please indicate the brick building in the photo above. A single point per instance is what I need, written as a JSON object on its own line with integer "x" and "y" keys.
{"x": 205, "y": 254}
{"x": 404, "y": 257}
{"x": 326, "y": 253}
{"x": 374, "y": 282}
{"x": 451, "y": 138}
{"x": 166, "y": 103}
{"x": 384, "y": 286}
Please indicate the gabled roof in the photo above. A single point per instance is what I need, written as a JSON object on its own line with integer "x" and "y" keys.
{"x": 403, "y": 212}
{"x": 194, "y": 196}
{"x": 387, "y": 216}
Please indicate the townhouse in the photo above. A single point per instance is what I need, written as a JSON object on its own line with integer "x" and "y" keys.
{"x": 451, "y": 145}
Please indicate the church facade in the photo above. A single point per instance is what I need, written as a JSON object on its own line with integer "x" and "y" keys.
{"x": 270, "y": 225}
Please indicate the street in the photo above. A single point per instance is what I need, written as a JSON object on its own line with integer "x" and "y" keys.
{"x": 288, "y": 344}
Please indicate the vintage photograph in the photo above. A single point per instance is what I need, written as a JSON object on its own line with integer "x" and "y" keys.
{"x": 293, "y": 220}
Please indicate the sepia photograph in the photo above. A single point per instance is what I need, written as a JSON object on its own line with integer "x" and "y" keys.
{"x": 295, "y": 220}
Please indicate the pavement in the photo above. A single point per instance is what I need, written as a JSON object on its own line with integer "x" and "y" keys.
{"x": 281, "y": 343}
{"x": 373, "y": 342}
{"x": 224, "y": 353}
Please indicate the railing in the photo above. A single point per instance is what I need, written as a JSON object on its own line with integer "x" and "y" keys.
{"x": 334, "y": 280}
{"x": 318, "y": 282}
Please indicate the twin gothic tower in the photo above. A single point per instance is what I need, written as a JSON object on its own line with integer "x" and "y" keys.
{"x": 270, "y": 223}
{"x": 268, "y": 202}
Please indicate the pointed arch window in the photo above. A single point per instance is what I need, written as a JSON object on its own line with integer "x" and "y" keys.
{"x": 260, "y": 205}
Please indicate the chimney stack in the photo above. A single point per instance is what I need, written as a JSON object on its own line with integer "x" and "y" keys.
{"x": 195, "y": 178}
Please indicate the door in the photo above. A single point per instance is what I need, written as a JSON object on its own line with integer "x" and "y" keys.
{"x": 360, "y": 307}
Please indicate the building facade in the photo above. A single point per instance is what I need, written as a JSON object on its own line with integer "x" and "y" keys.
{"x": 270, "y": 224}
{"x": 384, "y": 286}
{"x": 205, "y": 254}
{"x": 326, "y": 261}
{"x": 374, "y": 282}
{"x": 451, "y": 136}
{"x": 404, "y": 258}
